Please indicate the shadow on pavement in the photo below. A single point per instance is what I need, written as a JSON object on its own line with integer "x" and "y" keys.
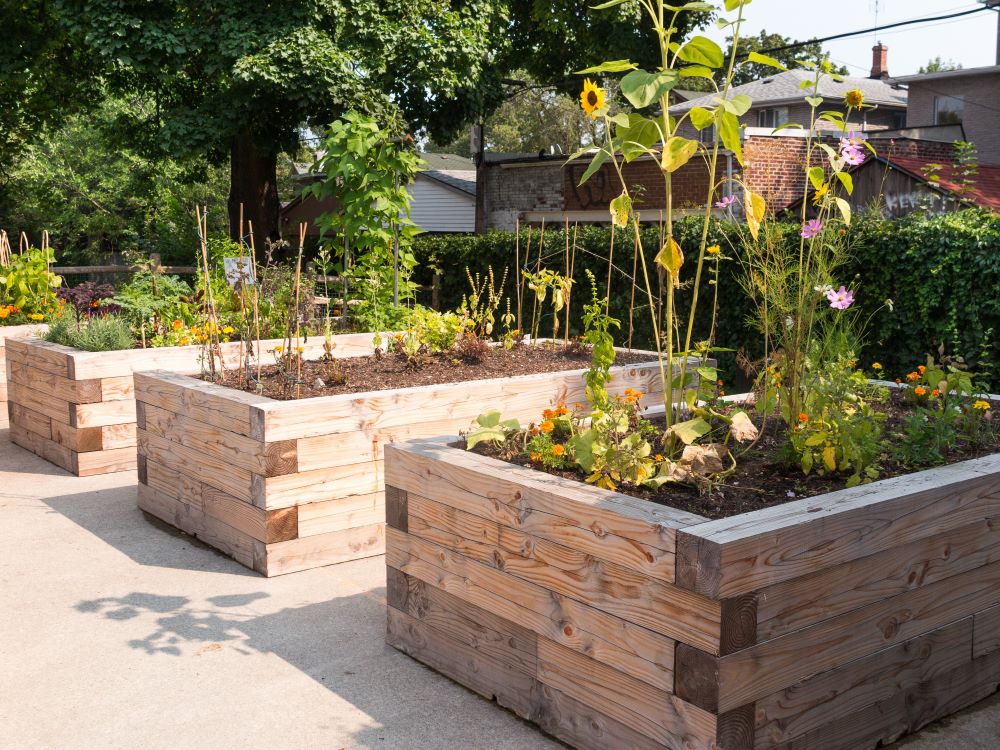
{"x": 113, "y": 516}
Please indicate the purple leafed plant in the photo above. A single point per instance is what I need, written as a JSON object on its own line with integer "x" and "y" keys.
{"x": 89, "y": 299}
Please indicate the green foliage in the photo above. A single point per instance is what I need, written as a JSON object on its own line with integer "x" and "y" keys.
{"x": 28, "y": 284}
{"x": 838, "y": 430}
{"x": 96, "y": 195}
{"x": 939, "y": 65}
{"x": 597, "y": 325}
{"x": 146, "y": 302}
{"x": 924, "y": 437}
{"x": 96, "y": 334}
{"x": 368, "y": 175}
{"x": 934, "y": 269}
{"x": 490, "y": 429}
{"x": 430, "y": 332}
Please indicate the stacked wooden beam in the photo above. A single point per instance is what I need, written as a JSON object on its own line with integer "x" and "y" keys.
{"x": 282, "y": 486}
{"x": 14, "y": 332}
{"x": 77, "y": 410}
{"x": 831, "y": 623}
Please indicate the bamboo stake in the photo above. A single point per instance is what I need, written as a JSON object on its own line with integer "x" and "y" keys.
{"x": 611, "y": 264}
{"x": 243, "y": 360}
{"x": 631, "y": 304}
{"x": 298, "y": 278}
{"x": 212, "y": 333}
{"x": 569, "y": 276}
{"x": 517, "y": 267}
{"x": 5, "y": 258}
{"x": 256, "y": 297}
{"x": 23, "y": 244}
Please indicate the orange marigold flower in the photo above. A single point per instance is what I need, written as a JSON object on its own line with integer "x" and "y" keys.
{"x": 658, "y": 457}
{"x": 935, "y": 393}
{"x": 803, "y": 417}
{"x": 898, "y": 381}
{"x": 718, "y": 382}
{"x": 912, "y": 376}
{"x": 921, "y": 369}
{"x": 546, "y": 426}
{"x": 548, "y": 414}
{"x": 561, "y": 409}
{"x": 558, "y": 450}
{"x": 535, "y": 456}
{"x": 920, "y": 390}
{"x": 178, "y": 325}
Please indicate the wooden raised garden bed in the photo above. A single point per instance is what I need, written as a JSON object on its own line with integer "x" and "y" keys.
{"x": 14, "y": 332}
{"x": 76, "y": 409}
{"x": 283, "y": 486}
{"x": 834, "y": 622}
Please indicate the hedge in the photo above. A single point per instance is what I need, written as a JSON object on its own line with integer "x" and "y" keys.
{"x": 942, "y": 273}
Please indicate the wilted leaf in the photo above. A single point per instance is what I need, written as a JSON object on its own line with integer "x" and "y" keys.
{"x": 705, "y": 459}
{"x": 671, "y": 258}
{"x": 742, "y": 428}
{"x": 678, "y": 153}
{"x": 621, "y": 209}
{"x": 755, "y": 207}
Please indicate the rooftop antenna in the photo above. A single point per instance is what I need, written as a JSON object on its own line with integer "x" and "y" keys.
{"x": 878, "y": 7}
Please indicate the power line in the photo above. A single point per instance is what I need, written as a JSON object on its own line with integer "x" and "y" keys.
{"x": 875, "y": 29}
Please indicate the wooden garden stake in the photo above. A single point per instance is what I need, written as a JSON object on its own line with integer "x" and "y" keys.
{"x": 256, "y": 299}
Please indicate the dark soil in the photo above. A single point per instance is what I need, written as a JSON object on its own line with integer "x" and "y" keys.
{"x": 388, "y": 371}
{"x": 764, "y": 478}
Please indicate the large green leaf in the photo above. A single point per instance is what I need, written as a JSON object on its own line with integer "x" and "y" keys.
{"x": 701, "y": 50}
{"x": 610, "y": 66}
{"x": 756, "y": 57}
{"x": 701, "y": 118}
{"x": 678, "y": 152}
{"x": 688, "y": 432}
{"x": 596, "y": 163}
{"x": 642, "y": 88}
{"x": 729, "y": 132}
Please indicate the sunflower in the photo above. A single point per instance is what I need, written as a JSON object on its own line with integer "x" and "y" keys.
{"x": 855, "y": 98}
{"x": 592, "y": 97}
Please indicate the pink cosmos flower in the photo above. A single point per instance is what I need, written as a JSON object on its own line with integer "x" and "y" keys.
{"x": 854, "y": 157}
{"x": 840, "y": 299}
{"x": 811, "y": 228}
{"x": 726, "y": 202}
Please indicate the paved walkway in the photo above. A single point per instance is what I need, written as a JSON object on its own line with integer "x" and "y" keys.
{"x": 117, "y": 632}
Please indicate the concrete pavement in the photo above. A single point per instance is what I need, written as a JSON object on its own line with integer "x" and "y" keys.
{"x": 118, "y": 632}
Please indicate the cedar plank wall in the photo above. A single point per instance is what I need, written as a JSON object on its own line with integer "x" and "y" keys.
{"x": 77, "y": 409}
{"x": 824, "y": 624}
{"x": 14, "y": 332}
{"x": 283, "y": 486}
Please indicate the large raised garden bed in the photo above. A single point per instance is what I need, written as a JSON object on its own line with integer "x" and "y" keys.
{"x": 282, "y": 486}
{"x": 14, "y": 332}
{"x": 76, "y": 409}
{"x": 834, "y": 622}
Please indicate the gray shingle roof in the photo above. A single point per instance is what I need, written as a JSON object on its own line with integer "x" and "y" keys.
{"x": 447, "y": 162}
{"x": 787, "y": 87}
{"x": 463, "y": 180}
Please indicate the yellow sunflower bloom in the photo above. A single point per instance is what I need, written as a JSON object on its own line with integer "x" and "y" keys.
{"x": 855, "y": 98}
{"x": 591, "y": 98}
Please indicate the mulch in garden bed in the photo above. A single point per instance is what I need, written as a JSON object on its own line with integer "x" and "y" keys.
{"x": 764, "y": 476}
{"x": 390, "y": 371}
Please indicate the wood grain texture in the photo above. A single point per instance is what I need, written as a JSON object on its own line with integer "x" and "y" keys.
{"x": 849, "y": 688}
{"x": 396, "y": 508}
{"x": 986, "y": 632}
{"x": 603, "y": 637}
{"x": 781, "y": 662}
{"x": 324, "y": 549}
{"x": 800, "y": 602}
{"x": 739, "y": 555}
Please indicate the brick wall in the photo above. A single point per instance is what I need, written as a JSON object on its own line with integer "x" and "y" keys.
{"x": 512, "y": 189}
{"x": 982, "y": 99}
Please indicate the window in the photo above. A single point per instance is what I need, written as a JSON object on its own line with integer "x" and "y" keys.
{"x": 948, "y": 110}
{"x": 772, "y": 118}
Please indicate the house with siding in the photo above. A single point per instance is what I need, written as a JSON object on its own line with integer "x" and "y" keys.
{"x": 443, "y": 198}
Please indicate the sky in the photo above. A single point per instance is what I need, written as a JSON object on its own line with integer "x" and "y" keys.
{"x": 970, "y": 41}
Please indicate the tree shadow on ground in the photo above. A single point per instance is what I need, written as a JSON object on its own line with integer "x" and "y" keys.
{"x": 339, "y": 643}
{"x": 113, "y": 516}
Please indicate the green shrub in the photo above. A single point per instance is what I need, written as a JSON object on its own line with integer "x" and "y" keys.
{"x": 98, "y": 334}
{"x": 942, "y": 273}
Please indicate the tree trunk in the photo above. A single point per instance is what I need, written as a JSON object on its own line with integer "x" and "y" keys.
{"x": 253, "y": 183}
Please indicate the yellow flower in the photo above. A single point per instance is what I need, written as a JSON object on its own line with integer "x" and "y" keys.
{"x": 36, "y": 316}
{"x": 855, "y": 98}
{"x": 279, "y": 349}
{"x": 228, "y": 330}
{"x": 876, "y": 366}
{"x": 300, "y": 349}
{"x": 981, "y": 405}
{"x": 591, "y": 98}
{"x": 820, "y": 193}
{"x": 713, "y": 249}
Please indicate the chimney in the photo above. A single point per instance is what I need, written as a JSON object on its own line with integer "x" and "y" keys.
{"x": 880, "y": 61}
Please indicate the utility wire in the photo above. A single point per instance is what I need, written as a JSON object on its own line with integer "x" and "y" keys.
{"x": 876, "y": 29}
